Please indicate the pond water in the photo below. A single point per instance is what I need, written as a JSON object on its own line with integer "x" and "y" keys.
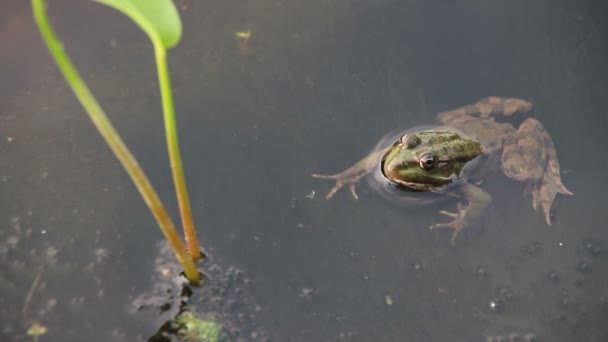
{"x": 316, "y": 86}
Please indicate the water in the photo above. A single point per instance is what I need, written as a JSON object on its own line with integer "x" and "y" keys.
{"x": 318, "y": 84}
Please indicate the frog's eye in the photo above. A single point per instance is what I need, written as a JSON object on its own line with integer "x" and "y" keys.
{"x": 427, "y": 161}
{"x": 410, "y": 140}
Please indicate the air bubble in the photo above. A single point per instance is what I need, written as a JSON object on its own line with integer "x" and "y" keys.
{"x": 592, "y": 247}
{"x": 496, "y": 305}
{"x": 481, "y": 271}
{"x": 554, "y": 277}
{"x": 533, "y": 248}
{"x": 584, "y": 267}
{"x": 505, "y": 293}
{"x": 418, "y": 267}
{"x": 514, "y": 337}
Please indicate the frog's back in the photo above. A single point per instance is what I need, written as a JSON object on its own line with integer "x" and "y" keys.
{"x": 491, "y": 134}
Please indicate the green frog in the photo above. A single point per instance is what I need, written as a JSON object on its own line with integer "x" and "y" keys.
{"x": 453, "y": 159}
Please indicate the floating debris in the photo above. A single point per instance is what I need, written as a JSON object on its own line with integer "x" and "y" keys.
{"x": 198, "y": 329}
{"x": 36, "y": 329}
{"x": 243, "y": 37}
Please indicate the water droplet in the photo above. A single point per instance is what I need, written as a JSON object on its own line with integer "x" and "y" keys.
{"x": 496, "y": 305}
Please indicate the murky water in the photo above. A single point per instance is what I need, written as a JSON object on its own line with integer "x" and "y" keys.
{"x": 317, "y": 85}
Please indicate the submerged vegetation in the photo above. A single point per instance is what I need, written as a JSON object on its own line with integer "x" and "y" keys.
{"x": 160, "y": 20}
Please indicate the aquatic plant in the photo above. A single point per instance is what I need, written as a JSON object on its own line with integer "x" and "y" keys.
{"x": 160, "y": 20}
{"x": 194, "y": 328}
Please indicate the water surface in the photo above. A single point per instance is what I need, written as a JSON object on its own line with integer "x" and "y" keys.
{"x": 318, "y": 84}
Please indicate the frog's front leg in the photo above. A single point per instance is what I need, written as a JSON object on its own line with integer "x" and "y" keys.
{"x": 477, "y": 200}
{"x": 352, "y": 175}
{"x": 529, "y": 156}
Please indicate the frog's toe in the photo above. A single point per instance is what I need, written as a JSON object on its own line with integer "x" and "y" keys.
{"x": 316, "y": 175}
{"x": 544, "y": 198}
{"x": 340, "y": 183}
{"x": 441, "y": 225}
{"x": 353, "y": 190}
{"x": 456, "y": 225}
{"x": 544, "y": 195}
{"x": 562, "y": 190}
{"x": 547, "y": 212}
{"x": 333, "y": 191}
{"x": 450, "y": 214}
{"x": 454, "y": 236}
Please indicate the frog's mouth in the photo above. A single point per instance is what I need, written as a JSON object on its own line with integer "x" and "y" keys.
{"x": 409, "y": 188}
{"x": 415, "y": 187}
{"x": 424, "y": 182}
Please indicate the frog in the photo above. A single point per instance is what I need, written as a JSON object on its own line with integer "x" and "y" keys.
{"x": 453, "y": 159}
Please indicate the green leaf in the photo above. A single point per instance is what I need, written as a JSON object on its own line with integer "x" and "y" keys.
{"x": 158, "y": 18}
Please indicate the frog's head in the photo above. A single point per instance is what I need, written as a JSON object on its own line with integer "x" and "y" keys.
{"x": 429, "y": 159}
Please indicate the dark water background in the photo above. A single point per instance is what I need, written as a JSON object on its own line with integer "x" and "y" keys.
{"x": 320, "y": 83}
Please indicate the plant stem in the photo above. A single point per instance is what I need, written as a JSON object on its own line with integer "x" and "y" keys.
{"x": 112, "y": 138}
{"x": 179, "y": 179}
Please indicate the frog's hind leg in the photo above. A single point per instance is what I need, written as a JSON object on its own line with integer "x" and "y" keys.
{"x": 529, "y": 156}
{"x": 484, "y": 108}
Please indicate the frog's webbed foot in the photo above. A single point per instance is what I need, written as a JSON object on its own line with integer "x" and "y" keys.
{"x": 543, "y": 194}
{"x": 529, "y": 156}
{"x": 477, "y": 200}
{"x": 457, "y": 224}
{"x": 341, "y": 181}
